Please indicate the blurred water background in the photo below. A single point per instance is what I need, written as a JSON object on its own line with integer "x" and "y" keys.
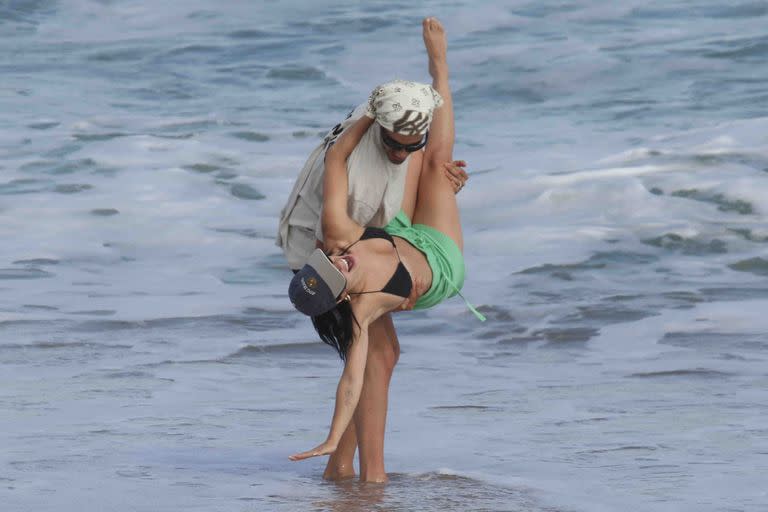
{"x": 616, "y": 228}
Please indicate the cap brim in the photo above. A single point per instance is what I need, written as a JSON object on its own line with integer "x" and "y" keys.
{"x": 328, "y": 272}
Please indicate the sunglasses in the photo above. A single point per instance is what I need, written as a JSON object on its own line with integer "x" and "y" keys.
{"x": 408, "y": 148}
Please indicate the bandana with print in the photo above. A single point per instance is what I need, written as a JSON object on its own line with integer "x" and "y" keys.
{"x": 404, "y": 107}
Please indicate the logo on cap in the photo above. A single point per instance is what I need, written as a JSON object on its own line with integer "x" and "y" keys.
{"x": 308, "y": 284}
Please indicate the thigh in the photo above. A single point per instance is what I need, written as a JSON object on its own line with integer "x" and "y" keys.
{"x": 436, "y": 206}
{"x": 383, "y": 345}
{"x": 394, "y": 344}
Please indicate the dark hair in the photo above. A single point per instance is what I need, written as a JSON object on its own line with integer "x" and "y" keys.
{"x": 335, "y": 327}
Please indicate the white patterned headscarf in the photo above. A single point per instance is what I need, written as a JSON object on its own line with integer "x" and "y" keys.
{"x": 404, "y": 107}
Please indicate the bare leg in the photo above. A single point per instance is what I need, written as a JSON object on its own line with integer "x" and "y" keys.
{"x": 436, "y": 204}
{"x": 340, "y": 465}
{"x": 369, "y": 428}
{"x": 371, "y": 413}
{"x": 384, "y": 347}
{"x": 412, "y": 183}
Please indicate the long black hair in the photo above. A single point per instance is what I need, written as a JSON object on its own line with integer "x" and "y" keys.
{"x": 336, "y": 327}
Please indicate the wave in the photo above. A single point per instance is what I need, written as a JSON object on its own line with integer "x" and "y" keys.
{"x": 312, "y": 348}
{"x": 24, "y": 273}
{"x": 693, "y": 372}
{"x": 598, "y": 260}
{"x": 688, "y": 245}
{"x": 739, "y": 48}
{"x": 297, "y": 73}
{"x": 57, "y": 345}
{"x": 757, "y": 266}
{"x": 716, "y": 341}
{"x": 251, "y": 319}
{"x": 464, "y": 408}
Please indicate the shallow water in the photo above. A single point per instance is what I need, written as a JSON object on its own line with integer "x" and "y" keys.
{"x": 615, "y": 228}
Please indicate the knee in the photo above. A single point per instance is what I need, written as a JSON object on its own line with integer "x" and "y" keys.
{"x": 383, "y": 358}
{"x": 395, "y": 353}
{"x": 392, "y": 351}
{"x": 391, "y": 356}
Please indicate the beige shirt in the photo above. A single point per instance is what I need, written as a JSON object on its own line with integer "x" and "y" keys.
{"x": 376, "y": 188}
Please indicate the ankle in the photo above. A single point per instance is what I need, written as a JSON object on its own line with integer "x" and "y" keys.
{"x": 374, "y": 477}
{"x": 339, "y": 472}
{"x": 438, "y": 71}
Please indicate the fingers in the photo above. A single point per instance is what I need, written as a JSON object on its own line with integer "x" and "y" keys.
{"x": 457, "y": 169}
{"x": 303, "y": 455}
{"x": 456, "y": 181}
{"x": 456, "y": 174}
{"x": 417, "y": 290}
{"x": 323, "y": 449}
{"x": 411, "y": 300}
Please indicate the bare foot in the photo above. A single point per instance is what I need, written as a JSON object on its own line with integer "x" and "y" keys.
{"x": 437, "y": 47}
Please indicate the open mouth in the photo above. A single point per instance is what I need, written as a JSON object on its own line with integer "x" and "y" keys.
{"x": 346, "y": 263}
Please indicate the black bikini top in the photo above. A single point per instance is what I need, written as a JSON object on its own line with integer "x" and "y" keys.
{"x": 400, "y": 283}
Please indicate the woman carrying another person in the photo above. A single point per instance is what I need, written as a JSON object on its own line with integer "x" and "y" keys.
{"x": 374, "y": 272}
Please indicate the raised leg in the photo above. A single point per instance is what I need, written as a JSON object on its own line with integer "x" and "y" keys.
{"x": 412, "y": 183}
{"x": 436, "y": 203}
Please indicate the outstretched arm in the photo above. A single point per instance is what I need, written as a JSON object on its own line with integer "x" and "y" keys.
{"x": 347, "y": 395}
{"x": 339, "y": 229}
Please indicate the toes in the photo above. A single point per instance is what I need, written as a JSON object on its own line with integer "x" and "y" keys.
{"x": 432, "y": 24}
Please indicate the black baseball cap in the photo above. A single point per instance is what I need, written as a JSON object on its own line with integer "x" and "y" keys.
{"x": 316, "y": 288}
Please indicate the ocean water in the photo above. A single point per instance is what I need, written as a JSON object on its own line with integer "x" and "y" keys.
{"x": 616, "y": 232}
